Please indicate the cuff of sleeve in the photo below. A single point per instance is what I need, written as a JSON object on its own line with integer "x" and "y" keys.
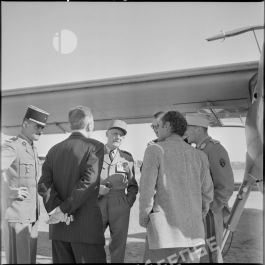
{"x": 65, "y": 208}
{"x": 216, "y": 206}
{"x": 143, "y": 221}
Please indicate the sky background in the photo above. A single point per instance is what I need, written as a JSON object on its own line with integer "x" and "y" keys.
{"x": 121, "y": 39}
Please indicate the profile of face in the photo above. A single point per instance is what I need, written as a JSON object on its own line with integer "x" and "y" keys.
{"x": 90, "y": 126}
{"x": 32, "y": 130}
{"x": 154, "y": 124}
{"x": 162, "y": 129}
{"x": 115, "y": 137}
{"x": 190, "y": 134}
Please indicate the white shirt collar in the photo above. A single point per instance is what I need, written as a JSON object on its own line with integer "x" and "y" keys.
{"x": 83, "y": 132}
{"x": 114, "y": 150}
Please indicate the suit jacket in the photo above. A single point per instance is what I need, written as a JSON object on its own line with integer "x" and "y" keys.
{"x": 175, "y": 193}
{"x": 20, "y": 168}
{"x": 70, "y": 179}
{"x": 112, "y": 172}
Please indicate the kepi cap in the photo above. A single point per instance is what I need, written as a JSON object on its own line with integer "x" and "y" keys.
{"x": 197, "y": 120}
{"x": 36, "y": 115}
{"x": 119, "y": 124}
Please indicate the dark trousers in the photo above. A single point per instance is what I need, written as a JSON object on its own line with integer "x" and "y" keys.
{"x": 115, "y": 212}
{"x": 214, "y": 227}
{"x": 67, "y": 252}
{"x": 20, "y": 242}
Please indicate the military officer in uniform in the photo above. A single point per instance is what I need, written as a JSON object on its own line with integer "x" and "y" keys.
{"x": 222, "y": 176}
{"x": 20, "y": 172}
{"x": 118, "y": 189}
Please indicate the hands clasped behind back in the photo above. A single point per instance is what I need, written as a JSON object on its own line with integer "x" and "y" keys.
{"x": 56, "y": 216}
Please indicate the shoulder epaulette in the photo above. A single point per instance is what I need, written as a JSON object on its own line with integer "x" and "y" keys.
{"x": 214, "y": 141}
{"x": 12, "y": 139}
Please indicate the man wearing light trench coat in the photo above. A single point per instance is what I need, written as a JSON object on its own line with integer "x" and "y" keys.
{"x": 175, "y": 193}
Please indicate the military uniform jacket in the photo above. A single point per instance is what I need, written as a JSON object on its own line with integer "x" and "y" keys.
{"x": 114, "y": 173}
{"x": 70, "y": 179}
{"x": 221, "y": 172}
{"x": 20, "y": 168}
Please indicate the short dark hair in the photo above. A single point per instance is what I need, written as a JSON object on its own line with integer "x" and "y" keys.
{"x": 79, "y": 117}
{"x": 157, "y": 114}
{"x": 177, "y": 122}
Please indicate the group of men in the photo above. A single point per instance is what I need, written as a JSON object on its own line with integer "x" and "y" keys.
{"x": 87, "y": 186}
{"x": 184, "y": 191}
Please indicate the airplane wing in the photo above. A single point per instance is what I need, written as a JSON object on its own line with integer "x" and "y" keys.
{"x": 220, "y": 91}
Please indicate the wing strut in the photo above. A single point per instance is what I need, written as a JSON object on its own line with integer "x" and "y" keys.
{"x": 256, "y": 40}
{"x": 254, "y": 139}
{"x": 235, "y": 32}
{"x": 210, "y": 107}
{"x": 61, "y": 127}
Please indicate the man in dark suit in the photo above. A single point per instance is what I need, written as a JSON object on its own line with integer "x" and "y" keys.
{"x": 69, "y": 186}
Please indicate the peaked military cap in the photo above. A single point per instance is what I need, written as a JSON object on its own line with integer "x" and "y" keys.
{"x": 119, "y": 124}
{"x": 197, "y": 120}
{"x": 36, "y": 115}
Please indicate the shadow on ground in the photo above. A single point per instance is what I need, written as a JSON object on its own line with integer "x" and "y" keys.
{"x": 137, "y": 235}
{"x": 247, "y": 244}
{"x": 246, "y": 247}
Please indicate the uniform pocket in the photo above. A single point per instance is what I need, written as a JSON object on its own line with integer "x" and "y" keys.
{"x": 27, "y": 176}
{"x": 26, "y": 170}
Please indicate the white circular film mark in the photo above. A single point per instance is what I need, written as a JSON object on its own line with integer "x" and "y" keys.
{"x": 64, "y": 41}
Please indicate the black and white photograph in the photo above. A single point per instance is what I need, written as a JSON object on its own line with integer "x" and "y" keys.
{"x": 132, "y": 132}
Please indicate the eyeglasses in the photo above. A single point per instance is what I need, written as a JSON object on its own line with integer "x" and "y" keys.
{"x": 154, "y": 126}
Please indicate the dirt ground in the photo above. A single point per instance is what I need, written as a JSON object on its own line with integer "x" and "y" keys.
{"x": 246, "y": 247}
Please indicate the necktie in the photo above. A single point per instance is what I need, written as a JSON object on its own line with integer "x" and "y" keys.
{"x": 111, "y": 155}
